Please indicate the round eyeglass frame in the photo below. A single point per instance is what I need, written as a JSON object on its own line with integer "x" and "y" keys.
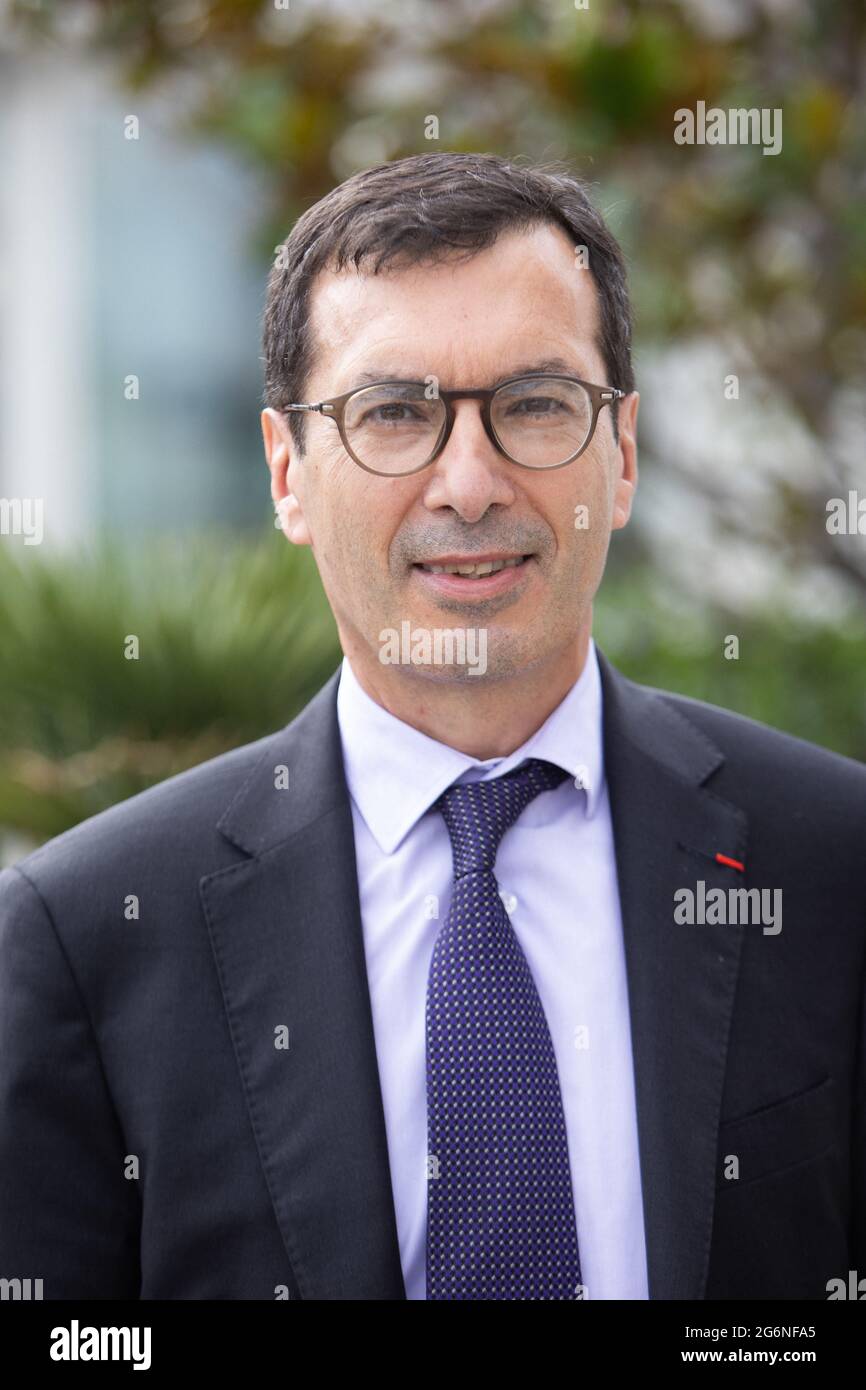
{"x": 335, "y": 408}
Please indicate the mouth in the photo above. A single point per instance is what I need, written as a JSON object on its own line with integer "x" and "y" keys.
{"x": 472, "y": 569}
{"x": 480, "y": 576}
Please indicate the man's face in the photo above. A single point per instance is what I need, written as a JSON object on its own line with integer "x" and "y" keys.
{"x": 468, "y": 324}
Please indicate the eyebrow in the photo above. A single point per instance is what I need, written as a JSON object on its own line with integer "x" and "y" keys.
{"x": 545, "y": 364}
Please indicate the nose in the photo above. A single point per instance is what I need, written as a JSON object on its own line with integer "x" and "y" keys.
{"x": 470, "y": 474}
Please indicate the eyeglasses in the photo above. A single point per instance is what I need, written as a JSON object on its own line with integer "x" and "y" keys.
{"x": 538, "y": 421}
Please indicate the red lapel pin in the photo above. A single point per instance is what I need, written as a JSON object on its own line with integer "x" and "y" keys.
{"x": 732, "y": 863}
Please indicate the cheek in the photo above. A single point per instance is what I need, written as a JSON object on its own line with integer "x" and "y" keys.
{"x": 361, "y": 521}
{"x": 597, "y": 491}
{"x": 339, "y": 497}
{"x": 580, "y": 516}
{"x": 581, "y": 521}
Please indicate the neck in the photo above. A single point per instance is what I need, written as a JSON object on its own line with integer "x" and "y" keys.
{"x": 489, "y": 719}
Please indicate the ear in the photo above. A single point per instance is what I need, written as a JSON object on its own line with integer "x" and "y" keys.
{"x": 284, "y": 464}
{"x": 625, "y": 483}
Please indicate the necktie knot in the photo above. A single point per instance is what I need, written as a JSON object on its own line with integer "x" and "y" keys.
{"x": 478, "y": 814}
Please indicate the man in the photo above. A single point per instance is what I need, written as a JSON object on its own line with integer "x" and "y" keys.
{"x": 475, "y": 980}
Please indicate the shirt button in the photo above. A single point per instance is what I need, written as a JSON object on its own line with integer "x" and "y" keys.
{"x": 509, "y": 901}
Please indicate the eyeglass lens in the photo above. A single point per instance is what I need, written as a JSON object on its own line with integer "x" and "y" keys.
{"x": 395, "y": 428}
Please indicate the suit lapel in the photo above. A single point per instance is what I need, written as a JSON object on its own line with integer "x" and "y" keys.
{"x": 668, "y": 829}
{"x": 285, "y": 930}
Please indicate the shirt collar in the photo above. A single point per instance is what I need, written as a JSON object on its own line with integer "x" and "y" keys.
{"x": 394, "y": 772}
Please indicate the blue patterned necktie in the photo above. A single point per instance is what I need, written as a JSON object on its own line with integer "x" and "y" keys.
{"x": 500, "y": 1214}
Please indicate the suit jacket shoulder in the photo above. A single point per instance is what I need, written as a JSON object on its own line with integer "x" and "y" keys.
{"x": 782, "y": 780}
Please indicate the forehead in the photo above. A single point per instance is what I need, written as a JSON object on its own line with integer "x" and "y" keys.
{"x": 467, "y": 322}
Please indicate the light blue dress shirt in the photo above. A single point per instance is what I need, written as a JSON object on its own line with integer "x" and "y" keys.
{"x": 556, "y": 870}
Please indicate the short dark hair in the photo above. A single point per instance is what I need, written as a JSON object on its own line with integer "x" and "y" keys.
{"x": 423, "y": 209}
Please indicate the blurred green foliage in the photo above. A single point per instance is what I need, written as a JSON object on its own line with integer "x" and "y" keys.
{"x": 234, "y": 639}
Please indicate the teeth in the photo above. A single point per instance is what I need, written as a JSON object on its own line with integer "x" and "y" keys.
{"x": 486, "y": 567}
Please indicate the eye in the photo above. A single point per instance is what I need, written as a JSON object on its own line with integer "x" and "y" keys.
{"x": 536, "y": 405}
{"x": 392, "y": 412}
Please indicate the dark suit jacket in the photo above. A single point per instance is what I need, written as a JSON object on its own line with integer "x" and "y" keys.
{"x": 263, "y": 1168}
